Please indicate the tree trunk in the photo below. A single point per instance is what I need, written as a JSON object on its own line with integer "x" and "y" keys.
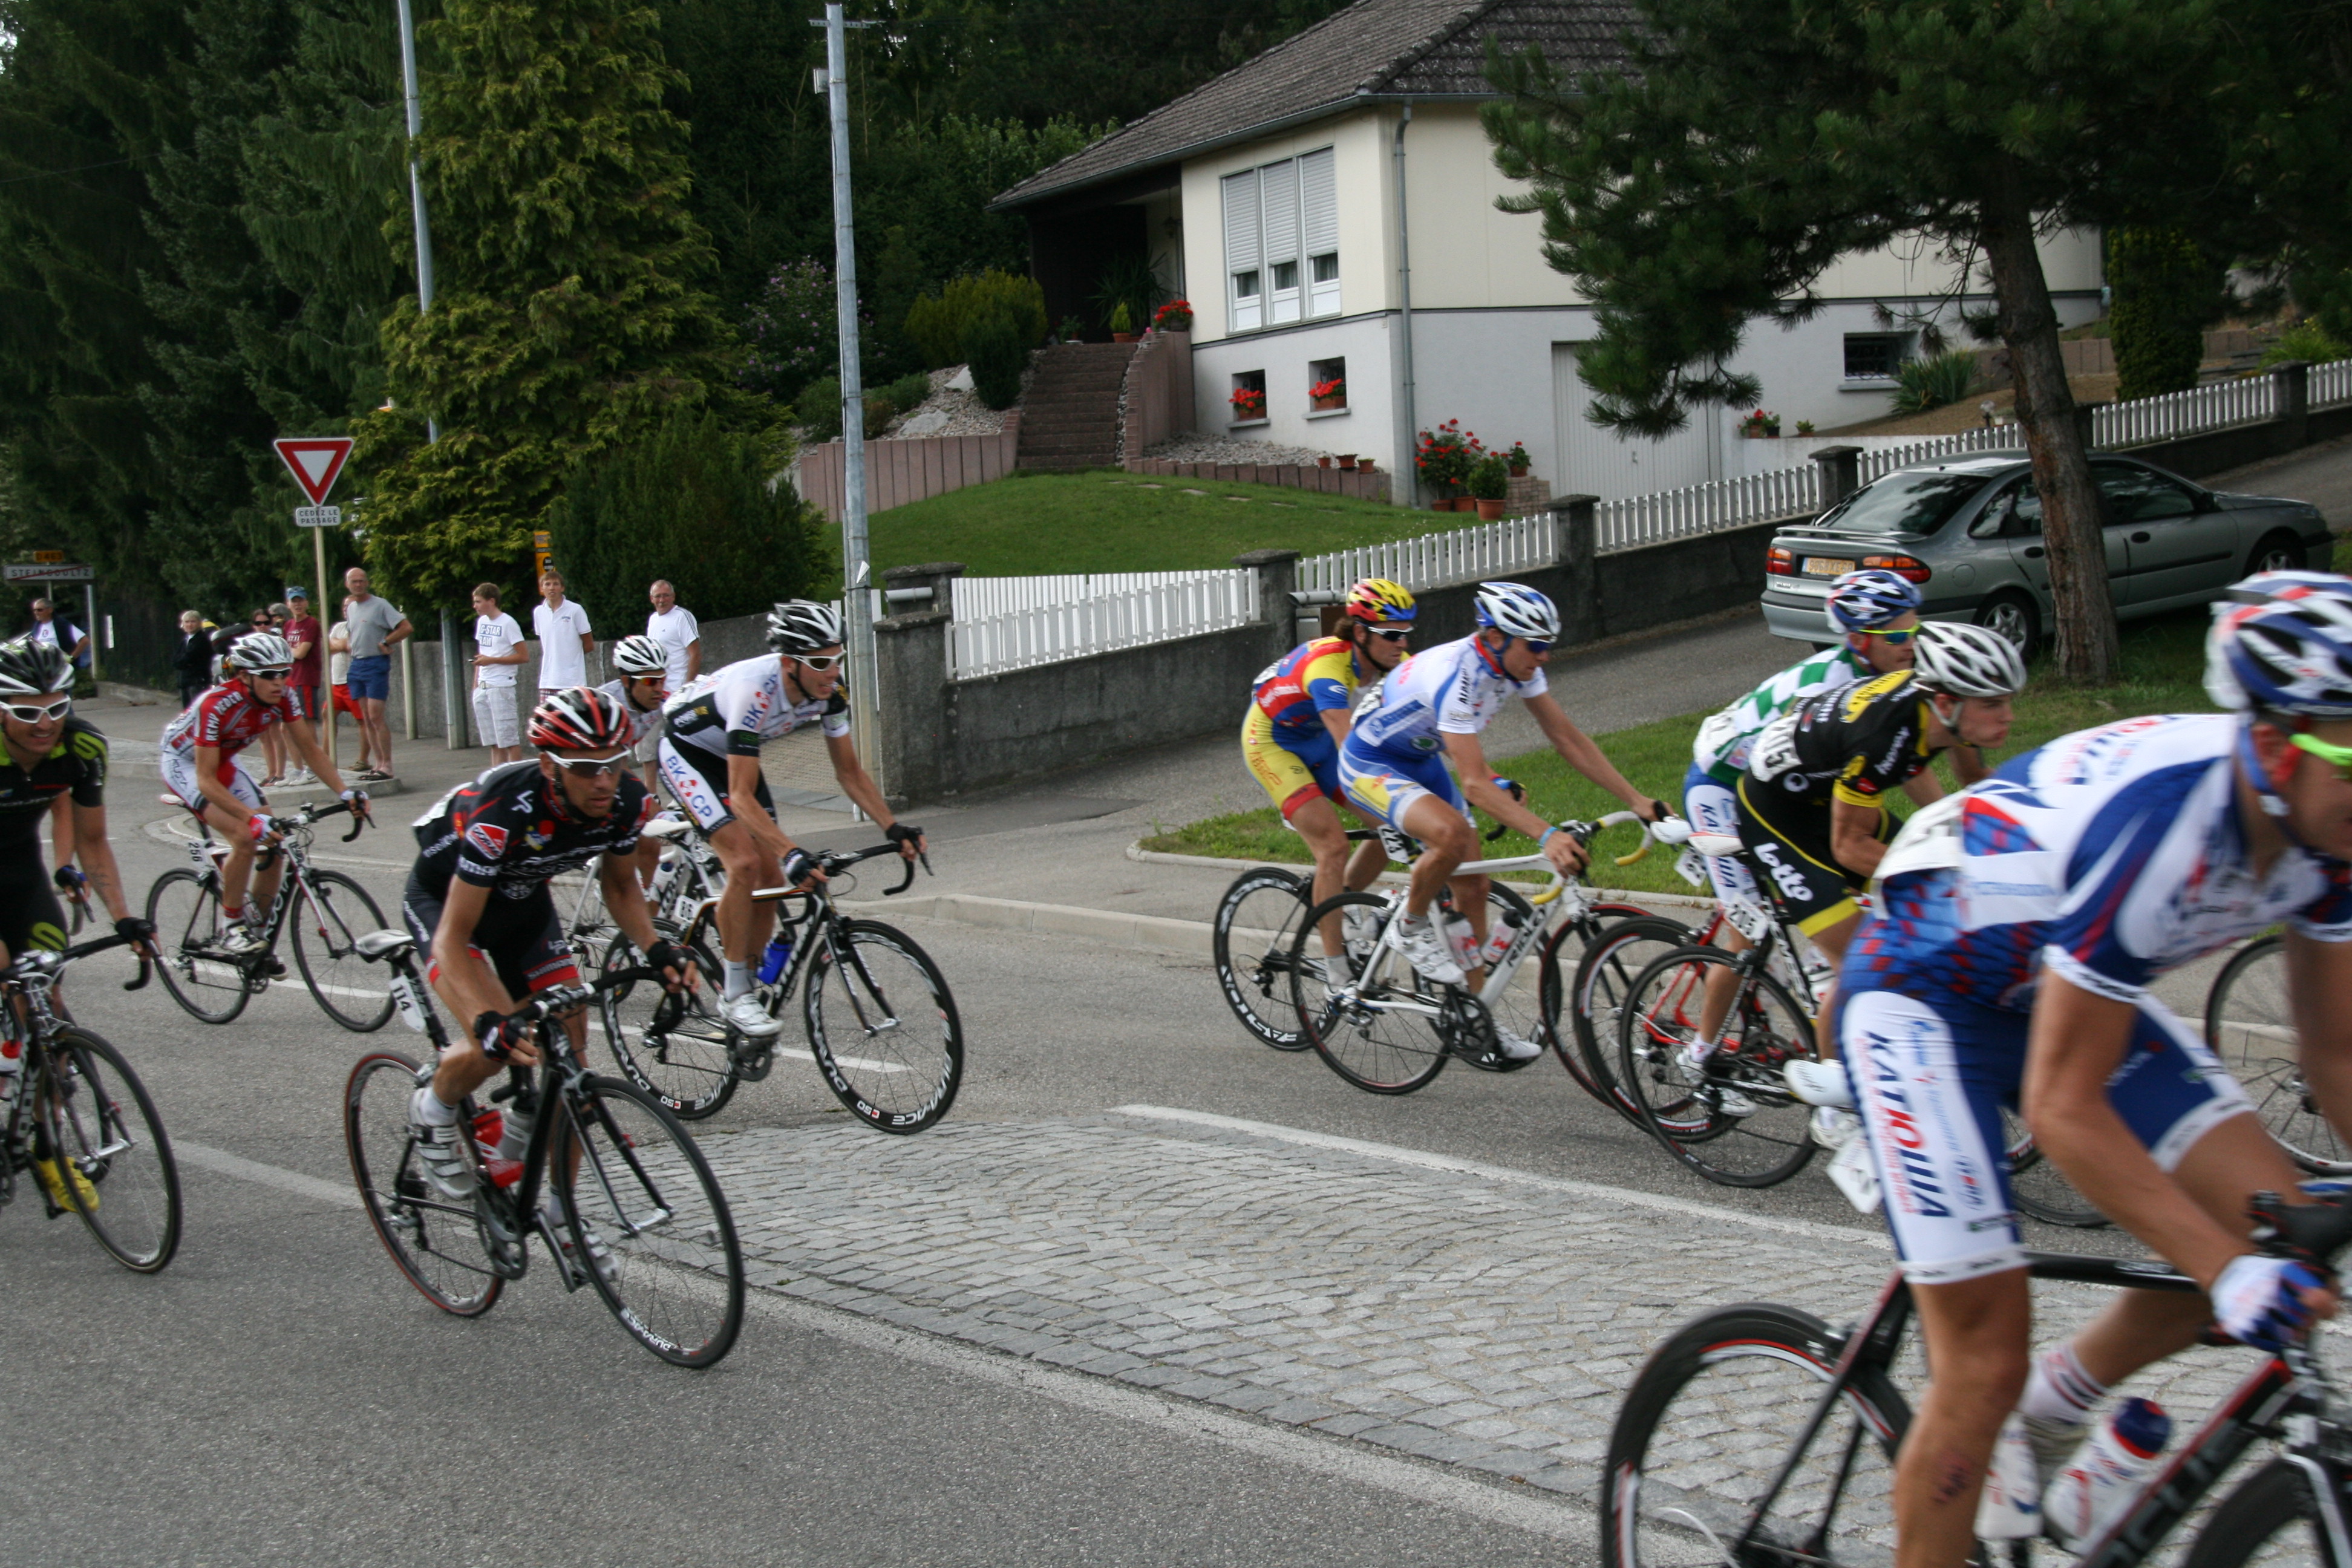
{"x": 2085, "y": 633}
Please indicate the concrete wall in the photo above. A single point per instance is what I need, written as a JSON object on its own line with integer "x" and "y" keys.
{"x": 900, "y": 470}
{"x": 1157, "y": 400}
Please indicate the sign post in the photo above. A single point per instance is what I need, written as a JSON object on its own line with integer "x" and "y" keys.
{"x": 316, "y": 464}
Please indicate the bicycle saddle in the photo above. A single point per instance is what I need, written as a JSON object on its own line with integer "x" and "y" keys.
{"x": 1714, "y": 844}
{"x": 673, "y": 829}
{"x": 378, "y": 946}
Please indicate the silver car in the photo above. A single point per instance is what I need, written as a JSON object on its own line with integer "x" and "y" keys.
{"x": 1968, "y": 531}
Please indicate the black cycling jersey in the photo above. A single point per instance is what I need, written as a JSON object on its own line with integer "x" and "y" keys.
{"x": 76, "y": 766}
{"x": 1853, "y": 744}
{"x": 510, "y": 829}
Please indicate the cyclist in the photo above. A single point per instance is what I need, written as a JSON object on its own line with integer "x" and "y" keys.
{"x": 641, "y": 688}
{"x": 1297, "y": 718}
{"x": 53, "y": 767}
{"x": 476, "y": 900}
{"x": 709, "y": 757}
{"x": 1414, "y": 761}
{"x": 2021, "y": 924}
{"x": 200, "y": 762}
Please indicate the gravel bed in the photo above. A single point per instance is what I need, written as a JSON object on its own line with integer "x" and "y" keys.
{"x": 965, "y": 414}
{"x": 1193, "y": 448}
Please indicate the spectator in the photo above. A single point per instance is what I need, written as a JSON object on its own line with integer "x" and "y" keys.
{"x": 273, "y": 739}
{"x": 47, "y": 627}
{"x": 302, "y": 632}
{"x": 193, "y": 662}
{"x": 565, "y": 643}
{"x": 339, "y": 679}
{"x": 376, "y": 625}
{"x": 498, "y": 644}
{"x": 678, "y": 631}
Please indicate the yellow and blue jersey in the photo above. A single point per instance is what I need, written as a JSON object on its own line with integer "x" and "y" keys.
{"x": 1311, "y": 680}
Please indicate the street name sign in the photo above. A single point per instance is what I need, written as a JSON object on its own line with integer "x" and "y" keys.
{"x": 317, "y": 517}
{"x": 44, "y": 571}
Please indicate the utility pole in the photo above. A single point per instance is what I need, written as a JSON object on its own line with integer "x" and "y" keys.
{"x": 416, "y": 180}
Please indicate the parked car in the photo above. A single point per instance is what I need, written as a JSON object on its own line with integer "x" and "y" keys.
{"x": 1969, "y": 531}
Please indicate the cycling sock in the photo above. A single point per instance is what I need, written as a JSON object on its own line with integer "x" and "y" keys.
{"x": 739, "y": 979}
{"x": 431, "y": 1110}
{"x": 232, "y": 916}
{"x": 2060, "y": 1390}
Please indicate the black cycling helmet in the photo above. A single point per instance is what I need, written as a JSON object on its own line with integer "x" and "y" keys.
{"x": 29, "y": 668}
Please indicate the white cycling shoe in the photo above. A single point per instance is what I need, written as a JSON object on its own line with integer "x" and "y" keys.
{"x": 1424, "y": 948}
{"x": 239, "y": 940}
{"x": 440, "y": 1153}
{"x": 745, "y": 1015}
{"x": 1834, "y": 1128}
{"x": 1517, "y": 1048}
{"x": 1820, "y": 1083}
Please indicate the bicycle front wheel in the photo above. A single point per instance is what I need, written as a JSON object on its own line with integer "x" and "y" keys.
{"x": 1382, "y": 1032}
{"x": 433, "y": 1241}
{"x": 1249, "y": 942}
{"x": 883, "y": 1026}
{"x": 674, "y": 1048}
{"x": 2270, "y": 1519}
{"x": 2249, "y": 1024}
{"x": 329, "y": 920}
{"x": 186, "y": 909}
{"x": 1708, "y": 1424}
{"x": 1731, "y": 1117}
{"x": 643, "y": 1212}
{"x": 111, "y": 1151}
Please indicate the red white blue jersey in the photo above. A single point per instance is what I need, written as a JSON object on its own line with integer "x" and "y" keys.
{"x": 2112, "y": 856}
{"x": 229, "y": 717}
{"x": 1454, "y": 688}
{"x": 1310, "y": 680}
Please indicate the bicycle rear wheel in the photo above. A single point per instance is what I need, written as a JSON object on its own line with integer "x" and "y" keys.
{"x": 186, "y": 909}
{"x": 2249, "y": 1024}
{"x": 883, "y": 1026}
{"x": 674, "y": 1048}
{"x": 642, "y": 1208}
{"x": 1708, "y": 1424}
{"x": 329, "y": 917}
{"x": 1250, "y": 942}
{"x": 1595, "y": 1000}
{"x": 2039, "y": 1186}
{"x": 1732, "y": 1119}
{"x": 433, "y": 1241}
{"x": 2270, "y": 1519}
{"x": 1382, "y": 1032}
{"x": 120, "y": 1177}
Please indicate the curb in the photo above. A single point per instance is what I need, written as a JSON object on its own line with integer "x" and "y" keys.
{"x": 1142, "y": 933}
{"x": 1135, "y": 851}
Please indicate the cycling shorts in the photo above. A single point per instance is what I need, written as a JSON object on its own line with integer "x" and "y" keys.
{"x": 521, "y": 939}
{"x": 1385, "y": 785}
{"x": 1711, "y": 807}
{"x": 1292, "y": 769}
{"x": 1792, "y": 840}
{"x": 698, "y": 782}
{"x": 30, "y": 916}
{"x": 179, "y": 770}
{"x": 1930, "y": 1080}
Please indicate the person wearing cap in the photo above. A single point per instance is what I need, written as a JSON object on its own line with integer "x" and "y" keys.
{"x": 307, "y": 639}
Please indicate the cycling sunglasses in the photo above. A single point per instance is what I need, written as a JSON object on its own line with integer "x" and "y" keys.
{"x": 1894, "y": 639}
{"x": 816, "y": 661}
{"x": 1385, "y": 635}
{"x": 2334, "y": 756}
{"x": 590, "y": 767}
{"x": 278, "y": 674}
{"x": 26, "y": 714}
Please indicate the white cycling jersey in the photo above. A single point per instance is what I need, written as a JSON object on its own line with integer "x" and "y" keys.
{"x": 736, "y": 710}
{"x": 1454, "y": 688}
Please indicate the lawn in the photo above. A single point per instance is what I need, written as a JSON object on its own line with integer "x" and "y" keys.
{"x": 2163, "y": 664}
{"x": 1107, "y": 520}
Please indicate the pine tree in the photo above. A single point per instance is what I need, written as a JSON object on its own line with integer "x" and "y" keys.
{"x": 2165, "y": 289}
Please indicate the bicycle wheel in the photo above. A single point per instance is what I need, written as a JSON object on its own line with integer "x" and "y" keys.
{"x": 1733, "y": 1120}
{"x": 329, "y": 917}
{"x": 1249, "y": 942}
{"x": 2249, "y": 1024}
{"x": 673, "y": 1050}
{"x": 640, "y": 1203}
{"x": 97, "y": 1116}
{"x": 433, "y": 1241}
{"x": 2040, "y": 1188}
{"x": 1595, "y": 998}
{"x": 1382, "y": 1032}
{"x": 186, "y": 909}
{"x": 2270, "y": 1519}
{"x": 883, "y": 1026}
{"x": 1707, "y": 1426}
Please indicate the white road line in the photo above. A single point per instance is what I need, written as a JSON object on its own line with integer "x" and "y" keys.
{"x": 166, "y": 830}
{"x": 341, "y": 1194}
{"x": 1431, "y": 1162}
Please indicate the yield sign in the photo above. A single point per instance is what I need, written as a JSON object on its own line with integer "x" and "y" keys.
{"x": 315, "y": 462}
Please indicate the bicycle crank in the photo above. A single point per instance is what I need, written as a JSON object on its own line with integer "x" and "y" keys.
{"x": 502, "y": 1238}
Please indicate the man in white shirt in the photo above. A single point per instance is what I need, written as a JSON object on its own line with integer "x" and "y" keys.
{"x": 497, "y": 649}
{"x": 565, "y": 643}
{"x": 679, "y": 633}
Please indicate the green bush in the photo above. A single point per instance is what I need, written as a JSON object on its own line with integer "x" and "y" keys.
{"x": 997, "y": 348}
{"x": 694, "y": 502}
{"x": 1934, "y": 381}
{"x": 908, "y": 393}
{"x": 819, "y": 408}
{"x": 938, "y": 324}
{"x": 2164, "y": 291}
{"x": 1121, "y": 321}
{"x": 1490, "y": 478}
{"x": 2308, "y": 341}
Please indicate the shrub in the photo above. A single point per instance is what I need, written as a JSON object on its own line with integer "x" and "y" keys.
{"x": 1121, "y": 320}
{"x": 818, "y": 408}
{"x": 790, "y": 332}
{"x": 2305, "y": 341}
{"x": 938, "y": 324}
{"x": 996, "y": 346}
{"x": 1071, "y": 331}
{"x": 1934, "y": 381}
{"x": 1445, "y": 454}
{"x": 910, "y": 392}
{"x": 1490, "y": 478}
{"x": 2165, "y": 291}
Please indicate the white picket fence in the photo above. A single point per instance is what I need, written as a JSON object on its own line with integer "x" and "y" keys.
{"x": 1045, "y": 633}
{"x": 2331, "y": 383}
{"x": 983, "y": 598}
{"x": 2189, "y": 413}
{"x": 1481, "y": 549}
{"x": 1635, "y": 521}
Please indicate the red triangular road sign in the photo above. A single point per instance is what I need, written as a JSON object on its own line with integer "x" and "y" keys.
{"x": 315, "y": 462}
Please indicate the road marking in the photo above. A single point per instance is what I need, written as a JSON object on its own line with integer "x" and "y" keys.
{"x": 341, "y": 1194}
{"x": 164, "y": 830}
{"x": 1431, "y": 1162}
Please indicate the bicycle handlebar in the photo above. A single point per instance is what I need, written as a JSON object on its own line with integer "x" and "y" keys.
{"x": 101, "y": 944}
{"x": 560, "y": 998}
{"x": 310, "y": 812}
{"x": 833, "y": 862}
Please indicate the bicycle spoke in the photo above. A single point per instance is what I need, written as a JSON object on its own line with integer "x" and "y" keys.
{"x": 433, "y": 1242}
{"x": 899, "y": 1072}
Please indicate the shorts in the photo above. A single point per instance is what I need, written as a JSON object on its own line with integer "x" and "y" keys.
{"x": 1930, "y": 1080}
{"x": 1711, "y": 807}
{"x": 1293, "y": 768}
{"x": 1385, "y": 786}
{"x": 343, "y": 703}
{"x": 497, "y": 719}
{"x": 31, "y": 919}
{"x": 179, "y": 770}
{"x": 521, "y": 939}
{"x": 308, "y": 696}
{"x": 697, "y": 779}
{"x": 1793, "y": 845}
{"x": 372, "y": 677}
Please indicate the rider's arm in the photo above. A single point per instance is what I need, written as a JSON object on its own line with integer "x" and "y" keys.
{"x": 1925, "y": 788}
{"x": 1335, "y": 719}
{"x": 98, "y": 858}
{"x": 465, "y": 980}
{"x": 858, "y": 785}
{"x": 1969, "y": 765}
{"x": 1469, "y": 760}
{"x": 2318, "y": 977}
{"x": 624, "y": 901}
{"x": 61, "y": 832}
{"x": 1853, "y": 836}
{"x": 1576, "y": 749}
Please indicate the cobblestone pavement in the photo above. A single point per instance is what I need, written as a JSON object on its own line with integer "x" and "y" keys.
{"x": 1463, "y": 1318}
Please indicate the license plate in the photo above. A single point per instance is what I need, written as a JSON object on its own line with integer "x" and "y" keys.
{"x": 1826, "y": 566}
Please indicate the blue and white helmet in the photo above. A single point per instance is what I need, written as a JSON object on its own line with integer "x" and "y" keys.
{"x": 1865, "y": 600}
{"x": 1519, "y": 611}
{"x": 2283, "y": 644}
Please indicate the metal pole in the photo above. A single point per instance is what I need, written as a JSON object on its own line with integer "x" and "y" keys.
{"x": 89, "y": 626}
{"x": 321, "y": 613}
{"x": 856, "y": 568}
{"x": 1406, "y": 487}
{"x": 417, "y": 183}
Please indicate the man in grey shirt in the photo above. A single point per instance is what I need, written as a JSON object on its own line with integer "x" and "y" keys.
{"x": 376, "y": 625}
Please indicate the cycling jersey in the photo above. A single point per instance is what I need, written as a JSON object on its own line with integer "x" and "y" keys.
{"x": 231, "y": 718}
{"x": 1310, "y": 680}
{"x": 509, "y": 830}
{"x": 1852, "y": 744}
{"x": 737, "y": 709}
{"x": 1454, "y": 688}
{"x": 1724, "y": 740}
{"x": 640, "y": 719}
{"x": 75, "y": 767}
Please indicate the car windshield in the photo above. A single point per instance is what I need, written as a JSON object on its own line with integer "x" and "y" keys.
{"x": 1906, "y": 503}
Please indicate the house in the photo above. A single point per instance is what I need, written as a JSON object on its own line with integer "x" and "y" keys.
{"x": 1329, "y": 210}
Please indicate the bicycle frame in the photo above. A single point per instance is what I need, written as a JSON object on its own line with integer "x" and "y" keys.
{"x": 25, "y": 1014}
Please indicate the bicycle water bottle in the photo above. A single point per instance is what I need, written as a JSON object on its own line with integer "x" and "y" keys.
{"x": 779, "y": 953}
{"x": 491, "y": 1130}
{"x": 1464, "y": 940}
{"x": 1507, "y": 932}
{"x": 2102, "y": 1477}
{"x": 515, "y": 1141}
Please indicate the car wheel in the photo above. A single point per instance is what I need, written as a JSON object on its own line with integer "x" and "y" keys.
{"x": 2014, "y": 616}
{"x": 2277, "y": 553}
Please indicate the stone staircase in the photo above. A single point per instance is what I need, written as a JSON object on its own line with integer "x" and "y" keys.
{"x": 1069, "y": 416}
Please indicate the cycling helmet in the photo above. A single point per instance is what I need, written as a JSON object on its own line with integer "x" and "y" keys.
{"x": 1865, "y": 601}
{"x": 1967, "y": 661}
{"x": 1516, "y": 610}
{"x": 262, "y": 653}
{"x": 29, "y": 668}
{"x": 1376, "y": 600}
{"x": 578, "y": 720}
{"x": 2291, "y": 656}
{"x": 803, "y": 626}
{"x": 2264, "y": 588}
{"x": 640, "y": 655}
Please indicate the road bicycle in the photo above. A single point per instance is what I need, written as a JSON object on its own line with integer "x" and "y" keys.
{"x": 80, "y": 1124}
{"x": 1696, "y": 1471}
{"x": 2249, "y": 1024}
{"x": 688, "y": 872}
{"x": 632, "y": 1209}
{"x": 324, "y": 912}
{"x": 882, "y": 1025}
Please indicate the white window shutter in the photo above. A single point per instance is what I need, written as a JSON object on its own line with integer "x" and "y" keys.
{"x": 1318, "y": 189}
{"x": 1286, "y": 290}
{"x": 1244, "y": 259}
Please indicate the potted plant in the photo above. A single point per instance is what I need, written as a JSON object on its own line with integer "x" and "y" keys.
{"x": 1348, "y": 460}
{"x": 1760, "y": 424}
{"x": 1332, "y": 394}
{"x": 1489, "y": 483}
{"x": 1249, "y": 403}
{"x": 1804, "y": 426}
{"x": 1324, "y": 461}
{"x": 1176, "y": 316}
{"x": 1517, "y": 459}
{"x": 1444, "y": 459}
{"x": 1122, "y": 323}
{"x": 1364, "y": 467}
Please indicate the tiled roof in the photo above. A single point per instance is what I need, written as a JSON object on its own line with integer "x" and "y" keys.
{"x": 1375, "y": 48}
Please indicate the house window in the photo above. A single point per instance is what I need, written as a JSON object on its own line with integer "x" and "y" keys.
{"x": 1326, "y": 383}
{"x": 1247, "y": 399}
{"x": 1282, "y": 241}
{"x": 1875, "y": 356}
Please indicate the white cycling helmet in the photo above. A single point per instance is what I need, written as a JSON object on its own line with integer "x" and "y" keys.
{"x": 263, "y": 651}
{"x": 639, "y": 654}
{"x": 29, "y": 668}
{"x": 1516, "y": 610}
{"x": 1962, "y": 660}
{"x": 803, "y": 626}
{"x": 2272, "y": 657}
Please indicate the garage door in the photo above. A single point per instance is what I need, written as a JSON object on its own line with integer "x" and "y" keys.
{"x": 1595, "y": 461}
